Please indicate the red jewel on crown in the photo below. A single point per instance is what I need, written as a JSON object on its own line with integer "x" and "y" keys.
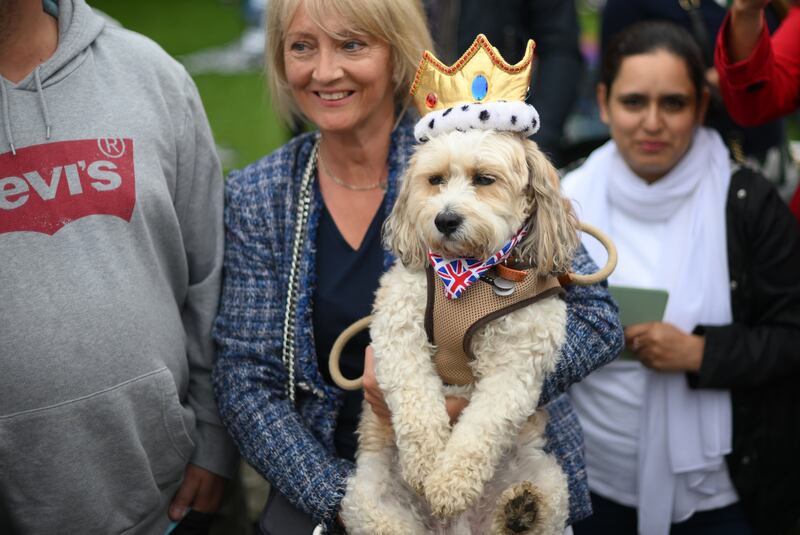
{"x": 431, "y": 100}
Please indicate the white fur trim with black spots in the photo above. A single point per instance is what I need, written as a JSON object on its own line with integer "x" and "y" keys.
{"x": 509, "y": 116}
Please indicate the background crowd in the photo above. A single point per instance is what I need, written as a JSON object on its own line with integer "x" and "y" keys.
{"x": 216, "y": 42}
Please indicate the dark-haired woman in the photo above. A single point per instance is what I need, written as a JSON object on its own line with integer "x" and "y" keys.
{"x": 699, "y": 433}
{"x": 762, "y": 146}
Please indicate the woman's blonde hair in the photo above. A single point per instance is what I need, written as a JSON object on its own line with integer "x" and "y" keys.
{"x": 400, "y": 23}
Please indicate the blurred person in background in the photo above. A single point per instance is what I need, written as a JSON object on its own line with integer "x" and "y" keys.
{"x": 764, "y": 147}
{"x": 698, "y": 432}
{"x": 508, "y": 24}
{"x": 304, "y": 255}
{"x": 111, "y": 243}
{"x": 759, "y": 76}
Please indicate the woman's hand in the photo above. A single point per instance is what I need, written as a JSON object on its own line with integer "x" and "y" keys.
{"x": 372, "y": 392}
{"x": 749, "y": 5}
{"x": 374, "y": 396}
{"x": 747, "y": 23}
{"x": 200, "y": 490}
{"x": 663, "y": 347}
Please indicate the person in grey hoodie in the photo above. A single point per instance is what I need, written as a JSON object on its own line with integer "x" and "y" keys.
{"x": 110, "y": 260}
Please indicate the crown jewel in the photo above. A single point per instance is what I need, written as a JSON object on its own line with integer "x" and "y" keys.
{"x": 479, "y": 91}
{"x": 480, "y": 75}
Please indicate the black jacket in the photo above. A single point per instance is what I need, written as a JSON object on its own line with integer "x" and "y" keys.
{"x": 757, "y": 357}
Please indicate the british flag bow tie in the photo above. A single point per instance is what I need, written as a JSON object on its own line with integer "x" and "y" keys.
{"x": 460, "y": 273}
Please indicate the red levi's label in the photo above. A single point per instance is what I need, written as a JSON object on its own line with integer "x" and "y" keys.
{"x": 45, "y": 187}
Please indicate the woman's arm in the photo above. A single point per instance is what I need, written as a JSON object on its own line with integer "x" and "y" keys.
{"x": 594, "y": 334}
{"x": 762, "y": 343}
{"x": 250, "y": 379}
{"x": 745, "y": 27}
{"x": 759, "y": 76}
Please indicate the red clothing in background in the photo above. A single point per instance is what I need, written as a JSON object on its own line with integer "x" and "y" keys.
{"x": 766, "y": 85}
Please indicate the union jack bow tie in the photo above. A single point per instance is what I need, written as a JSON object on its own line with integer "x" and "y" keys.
{"x": 458, "y": 274}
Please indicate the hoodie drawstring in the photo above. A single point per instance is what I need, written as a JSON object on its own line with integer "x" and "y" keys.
{"x": 7, "y": 109}
{"x": 40, "y": 91}
{"x": 7, "y": 115}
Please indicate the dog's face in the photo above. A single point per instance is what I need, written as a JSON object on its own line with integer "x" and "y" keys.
{"x": 465, "y": 194}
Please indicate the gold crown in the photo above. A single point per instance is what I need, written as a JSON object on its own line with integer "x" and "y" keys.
{"x": 480, "y": 75}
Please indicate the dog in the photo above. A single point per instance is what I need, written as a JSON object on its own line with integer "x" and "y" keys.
{"x": 465, "y": 194}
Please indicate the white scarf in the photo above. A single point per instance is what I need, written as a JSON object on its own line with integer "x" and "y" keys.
{"x": 684, "y": 433}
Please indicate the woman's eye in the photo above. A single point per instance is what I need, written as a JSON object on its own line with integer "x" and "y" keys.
{"x": 436, "y": 180}
{"x": 353, "y": 45}
{"x": 633, "y": 102}
{"x": 299, "y": 47}
{"x": 673, "y": 104}
{"x": 482, "y": 180}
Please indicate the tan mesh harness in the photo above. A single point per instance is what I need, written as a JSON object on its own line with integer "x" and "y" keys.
{"x": 451, "y": 323}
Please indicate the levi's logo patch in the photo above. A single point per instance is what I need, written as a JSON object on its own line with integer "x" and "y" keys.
{"x": 46, "y": 187}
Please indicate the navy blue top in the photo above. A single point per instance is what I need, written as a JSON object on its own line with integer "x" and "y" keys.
{"x": 346, "y": 284}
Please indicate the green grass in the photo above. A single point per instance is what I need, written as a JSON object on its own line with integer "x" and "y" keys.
{"x": 793, "y": 129}
{"x": 240, "y": 115}
{"x": 180, "y": 26}
{"x": 588, "y": 20}
{"x": 244, "y": 126}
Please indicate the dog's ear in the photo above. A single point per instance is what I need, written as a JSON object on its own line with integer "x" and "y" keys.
{"x": 552, "y": 228}
{"x": 399, "y": 231}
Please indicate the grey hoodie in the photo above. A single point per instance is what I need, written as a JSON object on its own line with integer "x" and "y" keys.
{"x": 110, "y": 261}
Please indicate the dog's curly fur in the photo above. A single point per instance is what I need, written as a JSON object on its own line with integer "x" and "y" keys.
{"x": 488, "y": 473}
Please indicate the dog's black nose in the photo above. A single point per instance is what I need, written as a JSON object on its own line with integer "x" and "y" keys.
{"x": 448, "y": 222}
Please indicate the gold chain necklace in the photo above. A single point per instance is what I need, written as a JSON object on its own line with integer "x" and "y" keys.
{"x": 380, "y": 184}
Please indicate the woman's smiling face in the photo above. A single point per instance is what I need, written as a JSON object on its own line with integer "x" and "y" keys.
{"x": 652, "y": 110}
{"x": 341, "y": 82}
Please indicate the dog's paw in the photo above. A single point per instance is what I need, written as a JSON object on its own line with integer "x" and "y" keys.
{"x": 450, "y": 492}
{"x": 521, "y": 509}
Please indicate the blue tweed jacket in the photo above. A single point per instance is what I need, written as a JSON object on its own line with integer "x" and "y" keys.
{"x": 292, "y": 446}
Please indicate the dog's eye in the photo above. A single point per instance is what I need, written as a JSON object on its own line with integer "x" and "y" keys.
{"x": 436, "y": 180}
{"x": 482, "y": 180}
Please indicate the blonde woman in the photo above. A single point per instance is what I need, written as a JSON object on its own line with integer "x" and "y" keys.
{"x": 304, "y": 255}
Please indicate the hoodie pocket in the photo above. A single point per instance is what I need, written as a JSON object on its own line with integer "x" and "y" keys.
{"x": 98, "y": 464}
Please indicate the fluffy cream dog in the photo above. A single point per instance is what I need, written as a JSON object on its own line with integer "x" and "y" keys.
{"x": 465, "y": 194}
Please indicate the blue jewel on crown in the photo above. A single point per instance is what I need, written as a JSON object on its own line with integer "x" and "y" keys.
{"x": 480, "y": 87}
